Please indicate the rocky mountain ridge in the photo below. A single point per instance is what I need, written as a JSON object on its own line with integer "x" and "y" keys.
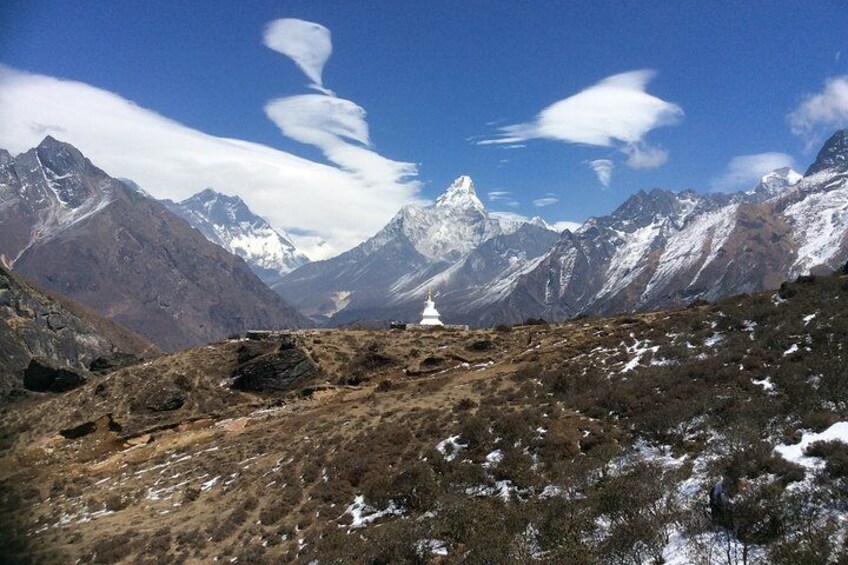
{"x": 69, "y": 226}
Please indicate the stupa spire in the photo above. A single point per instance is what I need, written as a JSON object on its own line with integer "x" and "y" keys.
{"x": 430, "y": 316}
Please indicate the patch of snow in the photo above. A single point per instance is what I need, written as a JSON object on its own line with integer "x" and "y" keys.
{"x": 493, "y": 458}
{"x": 449, "y": 448}
{"x": 792, "y": 349}
{"x": 210, "y": 483}
{"x": 795, "y": 453}
{"x": 433, "y": 546}
{"x": 714, "y": 339}
{"x": 766, "y": 383}
{"x": 362, "y": 514}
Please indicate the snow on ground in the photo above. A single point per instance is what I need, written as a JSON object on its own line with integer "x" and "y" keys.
{"x": 714, "y": 339}
{"x": 362, "y": 514}
{"x": 450, "y": 447}
{"x": 792, "y": 349}
{"x": 795, "y": 453}
{"x": 434, "y": 546}
{"x": 502, "y": 489}
{"x": 810, "y": 318}
{"x": 766, "y": 383}
{"x": 493, "y": 458}
{"x": 638, "y": 349}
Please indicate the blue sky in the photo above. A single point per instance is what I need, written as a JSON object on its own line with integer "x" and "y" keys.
{"x": 436, "y": 78}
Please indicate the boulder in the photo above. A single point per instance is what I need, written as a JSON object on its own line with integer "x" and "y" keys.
{"x": 41, "y": 377}
{"x": 108, "y": 363}
{"x": 283, "y": 371}
{"x": 164, "y": 399}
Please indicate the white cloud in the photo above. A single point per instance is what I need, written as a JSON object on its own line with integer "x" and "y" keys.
{"x": 344, "y": 205}
{"x": 745, "y": 171}
{"x": 502, "y": 196}
{"x": 308, "y": 44}
{"x": 645, "y": 157}
{"x": 821, "y": 113}
{"x": 513, "y": 217}
{"x": 547, "y": 200}
{"x": 616, "y": 112}
{"x": 603, "y": 170}
{"x": 326, "y": 122}
{"x": 566, "y": 225}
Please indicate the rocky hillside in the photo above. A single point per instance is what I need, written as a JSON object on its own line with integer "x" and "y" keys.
{"x": 712, "y": 434}
{"x": 41, "y": 330}
{"x": 67, "y": 225}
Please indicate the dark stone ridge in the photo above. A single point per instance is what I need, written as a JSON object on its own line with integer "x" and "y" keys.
{"x": 833, "y": 155}
{"x": 250, "y": 350}
{"x": 40, "y": 377}
{"x": 108, "y": 363}
{"x": 283, "y": 371}
{"x": 164, "y": 399}
{"x": 87, "y": 428}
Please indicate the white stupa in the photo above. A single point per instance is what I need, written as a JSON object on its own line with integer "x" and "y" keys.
{"x": 430, "y": 316}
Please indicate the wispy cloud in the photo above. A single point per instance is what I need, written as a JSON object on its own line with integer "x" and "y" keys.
{"x": 641, "y": 156}
{"x": 566, "y": 225}
{"x": 603, "y": 170}
{"x": 546, "y": 200}
{"x": 502, "y": 196}
{"x": 822, "y": 112}
{"x": 616, "y": 112}
{"x": 308, "y": 44}
{"x": 328, "y": 122}
{"x": 171, "y": 160}
{"x": 745, "y": 171}
{"x": 334, "y": 125}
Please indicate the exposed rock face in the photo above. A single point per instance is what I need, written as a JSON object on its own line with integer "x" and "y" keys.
{"x": 69, "y": 226}
{"x": 57, "y": 331}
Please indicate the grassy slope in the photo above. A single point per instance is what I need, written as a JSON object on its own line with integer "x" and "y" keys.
{"x": 596, "y": 463}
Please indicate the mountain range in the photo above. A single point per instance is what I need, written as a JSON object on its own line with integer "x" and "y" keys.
{"x": 659, "y": 249}
{"x": 67, "y": 225}
{"x": 106, "y": 243}
{"x": 454, "y": 247}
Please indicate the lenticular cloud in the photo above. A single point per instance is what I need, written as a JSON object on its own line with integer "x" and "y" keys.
{"x": 307, "y": 44}
{"x": 616, "y": 112}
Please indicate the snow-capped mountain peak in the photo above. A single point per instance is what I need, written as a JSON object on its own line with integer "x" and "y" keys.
{"x": 230, "y": 223}
{"x": 460, "y": 194}
{"x": 540, "y": 223}
{"x": 785, "y": 174}
{"x": 777, "y": 181}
